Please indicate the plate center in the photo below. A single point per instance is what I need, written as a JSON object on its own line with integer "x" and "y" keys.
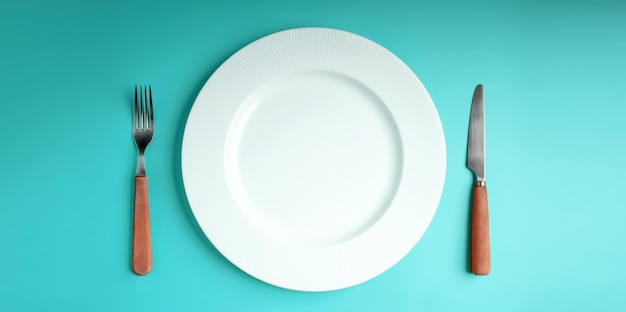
{"x": 313, "y": 157}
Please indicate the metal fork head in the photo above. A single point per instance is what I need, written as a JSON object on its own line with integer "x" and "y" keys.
{"x": 143, "y": 117}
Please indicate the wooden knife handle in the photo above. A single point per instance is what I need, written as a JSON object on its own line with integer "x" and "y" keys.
{"x": 142, "y": 246}
{"x": 480, "y": 254}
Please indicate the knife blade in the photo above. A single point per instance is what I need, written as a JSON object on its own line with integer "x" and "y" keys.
{"x": 480, "y": 254}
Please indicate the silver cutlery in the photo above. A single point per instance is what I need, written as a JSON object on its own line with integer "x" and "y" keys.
{"x": 480, "y": 254}
{"x": 143, "y": 131}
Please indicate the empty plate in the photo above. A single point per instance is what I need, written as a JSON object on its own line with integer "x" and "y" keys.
{"x": 313, "y": 159}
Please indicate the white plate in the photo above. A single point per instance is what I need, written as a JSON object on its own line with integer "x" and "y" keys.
{"x": 313, "y": 159}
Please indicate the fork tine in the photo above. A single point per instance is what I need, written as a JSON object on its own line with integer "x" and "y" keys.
{"x": 151, "y": 110}
{"x": 140, "y": 107}
{"x": 145, "y": 108}
{"x": 135, "y": 112}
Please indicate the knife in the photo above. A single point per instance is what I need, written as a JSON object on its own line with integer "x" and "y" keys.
{"x": 480, "y": 255}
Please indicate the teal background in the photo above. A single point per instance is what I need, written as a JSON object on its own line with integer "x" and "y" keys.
{"x": 555, "y": 85}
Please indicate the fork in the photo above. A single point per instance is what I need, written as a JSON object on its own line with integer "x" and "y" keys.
{"x": 143, "y": 131}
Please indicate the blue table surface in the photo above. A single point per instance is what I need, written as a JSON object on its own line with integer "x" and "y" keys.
{"x": 555, "y": 85}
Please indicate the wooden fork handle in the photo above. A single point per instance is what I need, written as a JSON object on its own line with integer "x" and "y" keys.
{"x": 142, "y": 246}
{"x": 480, "y": 254}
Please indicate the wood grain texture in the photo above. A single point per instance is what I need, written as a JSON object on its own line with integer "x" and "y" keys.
{"x": 142, "y": 245}
{"x": 480, "y": 253}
